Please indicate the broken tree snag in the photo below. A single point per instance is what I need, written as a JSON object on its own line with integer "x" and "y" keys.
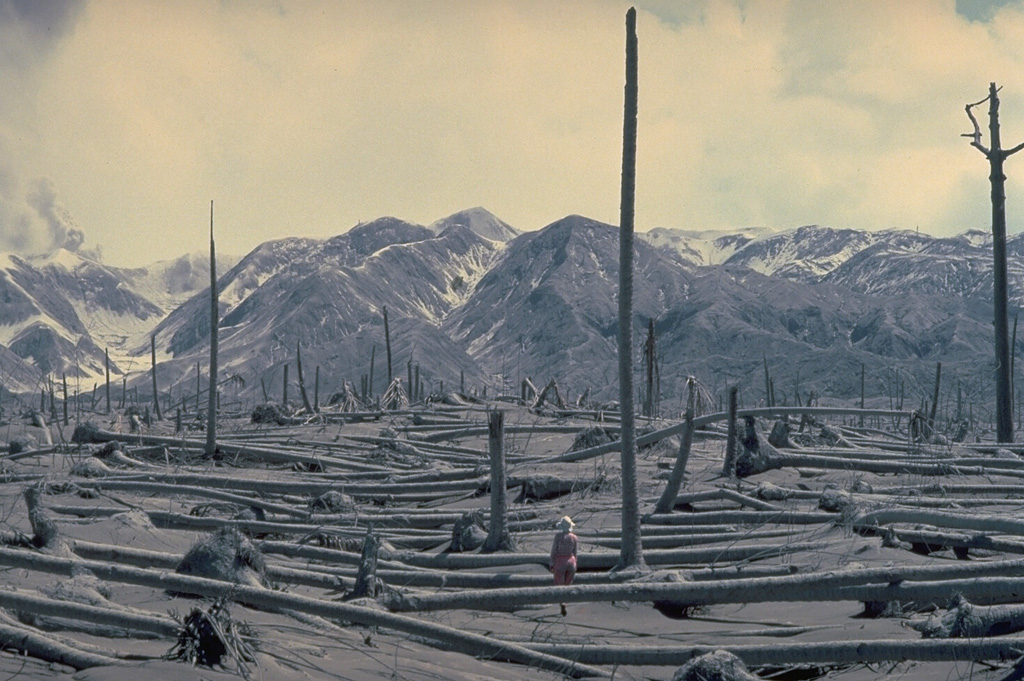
{"x": 779, "y": 437}
{"x": 755, "y": 456}
{"x": 44, "y": 529}
{"x": 211, "y": 410}
{"x": 729, "y": 466}
{"x": 366, "y": 579}
{"x": 996, "y": 156}
{"x": 498, "y": 538}
{"x": 552, "y": 386}
{"x": 667, "y": 501}
{"x": 302, "y": 383}
{"x": 468, "y": 533}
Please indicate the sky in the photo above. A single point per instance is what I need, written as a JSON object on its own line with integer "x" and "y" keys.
{"x": 121, "y": 120}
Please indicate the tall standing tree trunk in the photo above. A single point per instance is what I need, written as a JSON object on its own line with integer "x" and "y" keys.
{"x": 498, "y": 538}
{"x": 387, "y": 343}
{"x": 316, "y": 389}
{"x": 373, "y": 357}
{"x": 729, "y": 465}
{"x": 631, "y": 556}
{"x": 935, "y": 397}
{"x": 156, "y": 392}
{"x": 996, "y": 156}
{"x": 211, "y": 411}
{"x": 862, "y": 392}
{"x": 302, "y": 383}
{"x": 106, "y": 365}
{"x": 650, "y": 359}
{"x": 64, "y": 380}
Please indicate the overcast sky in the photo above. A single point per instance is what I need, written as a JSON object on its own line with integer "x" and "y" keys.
{"x": 121, "y": 119}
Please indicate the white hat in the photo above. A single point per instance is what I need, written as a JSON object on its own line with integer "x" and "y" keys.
{"x": 566, "y": 523}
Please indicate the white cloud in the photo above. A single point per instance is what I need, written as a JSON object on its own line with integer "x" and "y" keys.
{"x": 305, "y": 117}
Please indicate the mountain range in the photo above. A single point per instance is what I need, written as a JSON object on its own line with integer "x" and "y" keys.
{"x": 471, "y": 299}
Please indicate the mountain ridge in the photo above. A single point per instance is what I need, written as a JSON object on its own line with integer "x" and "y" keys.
{"x": 471, "y": 298}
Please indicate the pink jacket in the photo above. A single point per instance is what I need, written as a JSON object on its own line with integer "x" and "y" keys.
{"x": 564, "y": 546}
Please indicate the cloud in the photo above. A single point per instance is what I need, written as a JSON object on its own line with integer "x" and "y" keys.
{"x": 33, "y": 221}
{"x": 31, "y": 218}
{"x": 60, "y": 228}
{"x": 306, "y": 117}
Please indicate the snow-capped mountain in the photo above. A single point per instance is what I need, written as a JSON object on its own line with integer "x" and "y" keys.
{"x": 470, "y": 296}
{"x": 479, "y": 221}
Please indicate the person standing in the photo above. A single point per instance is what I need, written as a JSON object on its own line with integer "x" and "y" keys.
{"x": 563, "y": 554}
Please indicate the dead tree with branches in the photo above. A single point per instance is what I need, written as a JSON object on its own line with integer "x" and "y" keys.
{"x": 996, "y": 155}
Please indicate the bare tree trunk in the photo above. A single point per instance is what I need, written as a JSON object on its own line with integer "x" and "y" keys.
{"x": 675, "y": 479}
{"x": 156, "y": 391}
{"x": 284, "y": 387}
{"x": 729, "y": 466}
{"x": 790, "y": 654}
{"x": 498, "y": 538}
{"x": 862, "y": 392}
{"x": 935, "y": 397}
{"x": 387, "y": 343}
{"x": 211, "y": 411}
{"x": 64, "y": 380}
{"x": 38, "y": 645}
{"x": 649, "y": 362}
{"x": 106, "y": 366}
{"x": 373, "y": 356}
{"x": 366, "y": 579}
{"x": 316, "y": 390}
{"x": 302, "y": 384}
{"x": 632, "y": 549}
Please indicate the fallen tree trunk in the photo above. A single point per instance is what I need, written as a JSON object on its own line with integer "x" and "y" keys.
{"x": 935, "y": 541}
{"x": 169, "y": 561}
{"x": 21, "y": 601}
{"x": 872, "y": 584}
{"x": 988, "y": 523}
{"x": 40, "y": 646}
{"x": 741, "y": 518}
{"x": 724, "y": 494}
{"x": 701, "y": 421}
{"x": 268, "y": 487}
{"x": 963, "y": 619}
{"x": 471, "y": 644}
{"x": 775, "y": 459}
{"x": 98, "y": 435}
{"x": 824, "y": 652}
{"x": 605, "y": 560}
